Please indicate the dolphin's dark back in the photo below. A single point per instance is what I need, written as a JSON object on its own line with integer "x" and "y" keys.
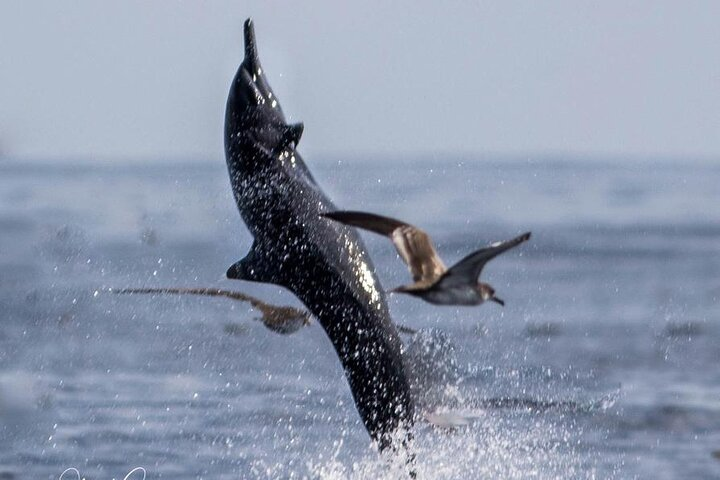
{"x": 322, "y": 262}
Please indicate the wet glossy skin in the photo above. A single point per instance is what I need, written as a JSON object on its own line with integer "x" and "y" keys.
{"x": 322, "y": 262}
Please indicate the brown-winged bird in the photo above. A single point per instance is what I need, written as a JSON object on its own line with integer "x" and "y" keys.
{"x": 434, "y": 282}
{"x": 284, "y": 320}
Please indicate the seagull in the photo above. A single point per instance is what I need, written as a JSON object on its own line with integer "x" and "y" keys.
{"x": 283, "y": 320}
{"x": 434, "y": 282}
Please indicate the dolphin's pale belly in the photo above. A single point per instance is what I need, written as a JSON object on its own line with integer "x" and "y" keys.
{"x": 455, "y": 296}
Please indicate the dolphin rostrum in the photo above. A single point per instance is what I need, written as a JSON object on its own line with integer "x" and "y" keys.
{"x": 322, "y": 262}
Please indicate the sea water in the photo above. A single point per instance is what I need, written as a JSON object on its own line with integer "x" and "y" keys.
{"x": 603, "y": 363}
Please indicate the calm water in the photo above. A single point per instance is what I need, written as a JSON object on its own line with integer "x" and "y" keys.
{"x": 603, "y": 364}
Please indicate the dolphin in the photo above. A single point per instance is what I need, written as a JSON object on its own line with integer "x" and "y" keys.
{"x": 324, "y": 263}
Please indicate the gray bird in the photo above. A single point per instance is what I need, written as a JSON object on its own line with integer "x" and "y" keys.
{"x": 434, "y": 282}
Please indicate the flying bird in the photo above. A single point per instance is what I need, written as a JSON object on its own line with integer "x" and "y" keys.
{"x": 433, "y": 281}
{"x": 284, "y": 320}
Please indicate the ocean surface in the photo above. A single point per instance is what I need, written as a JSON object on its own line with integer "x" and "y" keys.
{"x": 604, "y": 363}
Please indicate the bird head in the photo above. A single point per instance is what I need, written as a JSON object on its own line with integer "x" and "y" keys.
{"x": 488, "y": 293}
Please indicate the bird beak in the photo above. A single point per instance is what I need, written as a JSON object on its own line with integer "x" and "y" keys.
{"x": 497, "y": 300}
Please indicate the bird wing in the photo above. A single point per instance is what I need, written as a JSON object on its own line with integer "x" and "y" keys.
{"x": 273, "y": 316}
{"x": 417, "y": 250}
{"x": 368, "y": 221}
{"x": 209, "y": 292}
{"x": 414, "y": 245}
{"x": 467, "y": 270}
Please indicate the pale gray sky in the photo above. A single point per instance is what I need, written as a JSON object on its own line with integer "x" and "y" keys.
{"x": 148, "y": 80}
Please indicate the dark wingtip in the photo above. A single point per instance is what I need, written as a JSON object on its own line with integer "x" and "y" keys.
{"x": 250, "y": 45}
{"x": 368, "y": 221}
{"x": 336, "y": 215}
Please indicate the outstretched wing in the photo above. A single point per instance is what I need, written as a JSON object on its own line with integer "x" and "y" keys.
{"x": 278, "y": 319}
{"x": 210, "y": 292}
{"x": 414, "y": 245}
{"x": 418, "y": 251}
{"x": 284, "y": 320}
{"x": 467, "y": 270}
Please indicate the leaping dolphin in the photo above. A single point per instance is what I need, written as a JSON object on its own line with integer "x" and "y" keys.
{"x": 322, "y": 262}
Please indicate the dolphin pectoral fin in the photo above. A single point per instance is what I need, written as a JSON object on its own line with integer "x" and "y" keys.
{"x": 247, "y": 269}
{"x": 236, "y": 271}
{"x": 254, "y": 268}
